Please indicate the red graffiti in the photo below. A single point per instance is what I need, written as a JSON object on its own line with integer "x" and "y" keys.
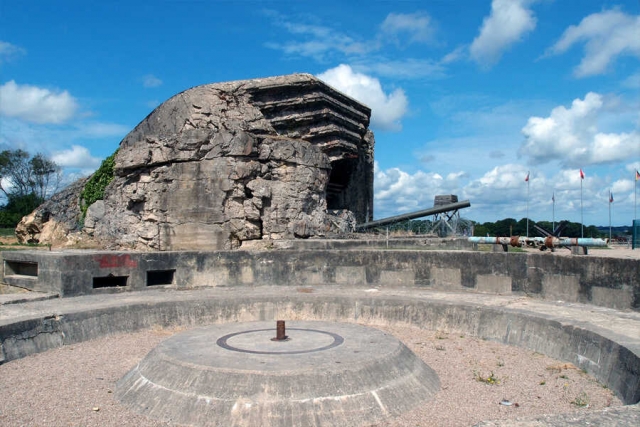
{"x": 113, "y": 261}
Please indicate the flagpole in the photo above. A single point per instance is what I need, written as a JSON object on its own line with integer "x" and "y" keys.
{"x": 581, "y": 215}
{"x": 528, "y": 204}
{"x": 610, "y": 201}
{"x": 553, "y": 215}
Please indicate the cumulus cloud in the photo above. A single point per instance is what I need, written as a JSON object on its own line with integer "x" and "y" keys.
{"x": 571, "y": 136}
{"x": 151, "y": 81}
{"x": 508, "y": 22}
{"x": 386, "y": 109}
{"x": 76, "y": 157}
{"x": 9, "y": 51}
{"x": 606, "y": 36}
{"x": 35, "y": 104}
{"x": 396, "y": 191}
{"x": 417, "y": 26}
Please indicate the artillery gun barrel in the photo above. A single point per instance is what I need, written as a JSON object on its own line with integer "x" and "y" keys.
{"x": 549, "y": 242}
{"x": 412, "y": 215}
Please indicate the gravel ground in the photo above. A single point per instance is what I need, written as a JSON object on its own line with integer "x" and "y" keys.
{"x": 72, "y": 385}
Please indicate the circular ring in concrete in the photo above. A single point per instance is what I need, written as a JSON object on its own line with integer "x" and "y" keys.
{"x": 256, "y": 337}
{"x": 313, "y": 379}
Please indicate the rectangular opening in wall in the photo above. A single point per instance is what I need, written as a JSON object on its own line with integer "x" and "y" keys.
{"x": 109, "y": 281}
{"x": 160, "y": 277}
{"x": 20, "y": 268}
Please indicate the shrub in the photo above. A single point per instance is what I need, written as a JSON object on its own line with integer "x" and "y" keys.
{"x": 94, "y": 188}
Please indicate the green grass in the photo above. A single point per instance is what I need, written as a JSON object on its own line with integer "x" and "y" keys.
{"x": 7, "y": 232}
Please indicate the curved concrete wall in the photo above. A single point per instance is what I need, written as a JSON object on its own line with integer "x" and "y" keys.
{"x": 606, "y": 282}
{"x": 612, "y": 359}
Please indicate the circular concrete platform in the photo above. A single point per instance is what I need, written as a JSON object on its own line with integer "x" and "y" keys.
{"x": 324, "y": 374}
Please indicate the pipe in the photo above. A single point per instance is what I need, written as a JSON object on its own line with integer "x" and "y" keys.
{"x": 549, "y": 242}
{"x": 413, "y": 215}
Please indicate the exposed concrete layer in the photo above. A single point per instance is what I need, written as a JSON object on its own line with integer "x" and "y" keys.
{"x": 606, "y": 282}
{"x": 325, "y": 374}
{"x": 604, "y": 342}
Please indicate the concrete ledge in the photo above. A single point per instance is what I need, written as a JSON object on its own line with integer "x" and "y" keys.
{"x": 591, "y": 280}
{"x": 604, "y": 342}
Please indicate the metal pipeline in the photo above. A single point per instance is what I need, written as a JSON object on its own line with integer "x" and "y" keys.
{"x": 549, "y": 242}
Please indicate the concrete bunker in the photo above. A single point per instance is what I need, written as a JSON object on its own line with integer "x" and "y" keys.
{"x": 221, "y": 164}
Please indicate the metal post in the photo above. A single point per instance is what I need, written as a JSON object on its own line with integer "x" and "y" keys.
{"x": 610, "y": 216}
{"x": 581, "y": 217}
{"x": 527, "y": 204}
{"x": 280, "y": 331}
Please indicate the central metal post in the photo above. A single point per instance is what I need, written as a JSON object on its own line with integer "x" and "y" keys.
{"x": 280, "y": 331}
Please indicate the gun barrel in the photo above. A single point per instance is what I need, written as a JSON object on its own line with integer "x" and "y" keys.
{"x": 550, "y": 241}
{"x": 413, "y": 215}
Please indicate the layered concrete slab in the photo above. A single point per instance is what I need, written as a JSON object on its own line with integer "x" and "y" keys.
{"x": 323, "y": 374}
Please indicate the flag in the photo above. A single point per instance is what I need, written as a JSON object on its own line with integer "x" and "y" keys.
{"x": 610, "y": 197}
{"x": 637, "y": 175}
{"x": 581, "y": 174}
{"x": 553, "y": 198}
{"x": 526, "y": 178}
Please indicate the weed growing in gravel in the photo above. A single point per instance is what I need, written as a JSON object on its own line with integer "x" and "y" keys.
{"x": 581, "y": 400}
{"x": 543, "y": 382}
{"x": 440, "y": 348}
{"x": 491, "y": 379}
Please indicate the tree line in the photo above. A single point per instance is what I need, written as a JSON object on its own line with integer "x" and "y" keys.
{"x": 502, "y": 228}
{"x": 510, "y": 227}
{"x": 26, "y": 181}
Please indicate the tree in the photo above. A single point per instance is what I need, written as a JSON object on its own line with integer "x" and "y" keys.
{"x": 46, "y": 176}
{"x": 22, "y": 175}
{"x": 26, "y": 182}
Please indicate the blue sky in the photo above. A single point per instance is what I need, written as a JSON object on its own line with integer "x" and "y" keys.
{"x": 467, "y": 96}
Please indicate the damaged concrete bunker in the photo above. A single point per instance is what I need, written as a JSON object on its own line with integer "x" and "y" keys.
{"x": 224, "y": 163}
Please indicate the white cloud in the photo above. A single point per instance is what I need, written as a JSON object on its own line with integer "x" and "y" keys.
{"x": 101, "y": 130}
{"x": 606, "y": 35}
{"x": 571, "y": 136}
{"x": 633, "y": 81}
{"x": 151, "y": 81}
{"x": 501, "y": 192}
{"x": 9, "y": 51}
{"x": 418, "y": 26}
{"x": 455, "y": 55}
{"x": 396, "y": 191}
{"x": 386, "y": 109}
{"x": 35, "y": 104}
{"x": 404, "y": 69}
{"x": 319, "y": 42}
{"x": 76, "y": 157}
{"x": 508, "y": 22}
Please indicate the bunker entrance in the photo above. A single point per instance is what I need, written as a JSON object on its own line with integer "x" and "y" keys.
{"x": 337, "y": 197}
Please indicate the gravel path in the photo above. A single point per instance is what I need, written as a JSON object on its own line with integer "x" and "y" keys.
{"x": 72, "y": 385}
